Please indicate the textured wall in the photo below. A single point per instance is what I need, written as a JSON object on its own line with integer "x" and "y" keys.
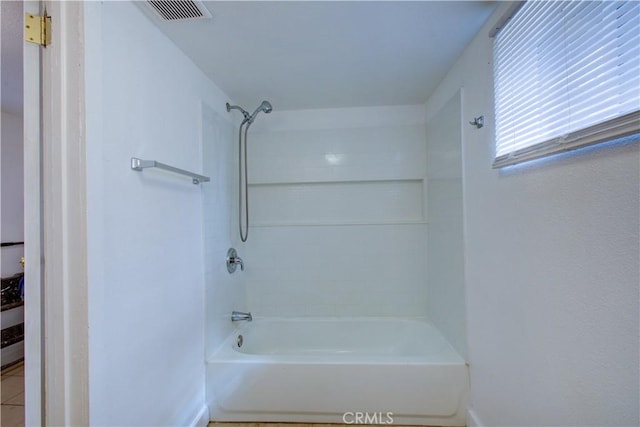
{"x": 551, "y": 270}
{"x": 146, "y": 238}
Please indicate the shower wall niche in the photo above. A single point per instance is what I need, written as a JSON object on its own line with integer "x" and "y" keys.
{"x": 338, "y": 213}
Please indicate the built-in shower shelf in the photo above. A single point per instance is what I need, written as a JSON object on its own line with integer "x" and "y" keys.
{"x": 331, "y": 203}
{"x": 337, "y": 181}
{"x": 334, "y": 224}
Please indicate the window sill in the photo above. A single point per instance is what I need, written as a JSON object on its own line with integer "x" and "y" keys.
{"x": 619, "y": 127}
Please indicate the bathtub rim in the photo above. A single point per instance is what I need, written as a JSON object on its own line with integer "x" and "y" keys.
{"x": 226, "y": 351}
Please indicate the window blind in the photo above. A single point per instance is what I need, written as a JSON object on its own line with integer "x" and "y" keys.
{"x": 566, "y": 75}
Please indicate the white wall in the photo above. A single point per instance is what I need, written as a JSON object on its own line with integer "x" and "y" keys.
{"x": 552, "y": 273}
{"x": 445, "y": 246}
{"x": 337, "y": 212}
{"x": 146, "y": 99}
{"x": 12, "y": 193}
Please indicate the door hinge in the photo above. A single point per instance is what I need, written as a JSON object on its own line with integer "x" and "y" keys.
{"x": 37, "y": 29}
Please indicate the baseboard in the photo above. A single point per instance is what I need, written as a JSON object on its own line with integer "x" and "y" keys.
{"x": 202, "y": 418}
{"x": 473, "y": 420}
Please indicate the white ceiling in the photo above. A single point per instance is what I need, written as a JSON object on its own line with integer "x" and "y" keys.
{"x": 305, "y": 54}
{"x": 11, "y": 56}
{"x": 325, "y": 54}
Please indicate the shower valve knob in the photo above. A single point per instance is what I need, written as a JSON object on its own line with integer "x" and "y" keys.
{"x": 233, "y": 260}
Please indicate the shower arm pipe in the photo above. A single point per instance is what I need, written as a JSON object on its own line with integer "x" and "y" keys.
{"x": 244, "y": 112}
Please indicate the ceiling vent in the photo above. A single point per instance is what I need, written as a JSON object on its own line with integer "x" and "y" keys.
{"x": 178, "y": 10}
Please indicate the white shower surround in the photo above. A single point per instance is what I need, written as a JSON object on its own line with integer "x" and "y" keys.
{"x": 338, "y": 213}
{"x": 335, "y": 264}
{"x": 318, "y": 369}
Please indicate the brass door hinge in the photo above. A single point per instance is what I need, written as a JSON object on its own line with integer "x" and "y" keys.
{"x": 37, "y": 29}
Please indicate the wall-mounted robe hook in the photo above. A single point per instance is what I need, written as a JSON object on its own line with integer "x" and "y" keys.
{"x": 478, "y": 122}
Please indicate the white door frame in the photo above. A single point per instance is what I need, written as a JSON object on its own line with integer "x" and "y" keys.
{"x": 33, "y": 268}
{"x": 56, "y": 309}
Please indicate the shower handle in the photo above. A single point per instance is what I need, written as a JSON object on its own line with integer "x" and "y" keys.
{"x": 233, "y": 260}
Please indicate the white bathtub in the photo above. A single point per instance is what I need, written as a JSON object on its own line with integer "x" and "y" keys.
{"x": 316, "y": 370}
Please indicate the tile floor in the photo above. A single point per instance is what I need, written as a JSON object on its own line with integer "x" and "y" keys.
{"x": 12, "y": 394}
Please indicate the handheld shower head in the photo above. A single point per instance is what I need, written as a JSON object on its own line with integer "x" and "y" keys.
{"x": 264, "y": 106}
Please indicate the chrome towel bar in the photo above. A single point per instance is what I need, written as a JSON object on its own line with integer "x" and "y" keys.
{"x": 139, "y": 164}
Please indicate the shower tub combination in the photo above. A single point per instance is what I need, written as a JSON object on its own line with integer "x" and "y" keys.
{"x": 401, "y": 371}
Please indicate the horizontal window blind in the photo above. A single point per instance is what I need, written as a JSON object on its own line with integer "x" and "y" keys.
{"x": 566, "y": 75}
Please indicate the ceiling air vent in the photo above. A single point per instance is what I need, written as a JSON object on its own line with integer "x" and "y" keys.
{"x": 176, "y": 10}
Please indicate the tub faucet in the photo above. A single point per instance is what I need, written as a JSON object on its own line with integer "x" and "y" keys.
{"x": 239, "y": 315}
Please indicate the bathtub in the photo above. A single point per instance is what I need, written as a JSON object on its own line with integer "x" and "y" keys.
{"x": 335, "y": 370}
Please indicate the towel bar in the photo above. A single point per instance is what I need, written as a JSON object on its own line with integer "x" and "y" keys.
{"x": 139, "y": 164}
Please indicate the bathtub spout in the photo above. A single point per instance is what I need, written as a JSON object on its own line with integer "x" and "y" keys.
{"x": 239, "y": 315}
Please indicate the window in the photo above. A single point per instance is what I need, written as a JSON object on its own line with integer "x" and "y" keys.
{"x": 566, "y": 75}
